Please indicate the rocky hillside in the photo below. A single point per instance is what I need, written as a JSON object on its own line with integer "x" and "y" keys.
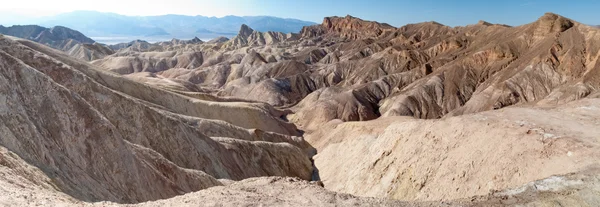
{"x": 446, "y": 159}
{"x": 58, "y": 37}
{"x": 357, "y": 70}
{"x": 89, "y": 52}
{"x": 249, "y": 37}
{"x": 80, "y": 127}
{"x": 50, "y": 36}
{"x": 421, "y": 115}
{"x": 347, "y": 27}
{"x": 73, "y": 42}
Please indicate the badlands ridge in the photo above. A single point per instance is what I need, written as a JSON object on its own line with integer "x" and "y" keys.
{"x": 347, "y": 112}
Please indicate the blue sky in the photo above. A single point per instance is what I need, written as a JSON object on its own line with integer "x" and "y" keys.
{"x": 453, "y": 13}
{"x": 395, "y": 12}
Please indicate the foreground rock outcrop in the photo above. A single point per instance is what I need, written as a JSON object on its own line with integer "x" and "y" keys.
{"x": 457, "y": 157}
{"x": 567, "y": 190}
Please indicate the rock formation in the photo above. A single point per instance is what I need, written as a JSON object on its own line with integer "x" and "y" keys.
{"x": 90, "y": 52}
{"x": 82, "y": 129}
{"x": 348, "y": 27}
{"x": 377, "y": 70}
{"x": 249, "y": 37}
{"x": 139, "y": 45}
{"x": 218, "y": 40}
{"x": 424, "y": 115}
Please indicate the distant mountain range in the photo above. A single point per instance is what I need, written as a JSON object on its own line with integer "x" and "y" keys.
{"x": 95, "y": 24}
{"x": 72, "y": 42}
{"x": 57, "y": 37}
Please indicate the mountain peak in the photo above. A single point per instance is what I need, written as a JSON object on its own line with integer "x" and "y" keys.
{"x": 436, "y": 23}
{"x": 196, "y": 39}
{"x": 336, "y": 21}
{"x": 551, "y": 15}
{"x": 347, "y": 27}
{"x": 551, "y": 22}
{"x": 245, "y": 31}
{"x": 219, "y": 40}
{"x": 481, "y": 22}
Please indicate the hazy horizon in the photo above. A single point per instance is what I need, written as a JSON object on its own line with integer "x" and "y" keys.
{"x": 124, "y": 39}
{"x": 112, "y": 28}
{"x": 396, "y": 13}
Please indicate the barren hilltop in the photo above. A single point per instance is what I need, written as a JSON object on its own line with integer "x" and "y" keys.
{"x": 347, "y": 112}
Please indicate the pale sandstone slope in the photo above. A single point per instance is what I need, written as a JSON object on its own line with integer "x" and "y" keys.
{"x": 457, "y": 157}
{"x": 96, "y": 143}
{"x": 25, "y": 185}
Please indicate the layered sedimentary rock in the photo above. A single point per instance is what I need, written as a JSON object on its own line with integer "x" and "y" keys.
{"x": 484, "y": 114}
{"x": 98, "y": 136}
{"x": 348, "y": 27}
{"x": 367, "y": 69}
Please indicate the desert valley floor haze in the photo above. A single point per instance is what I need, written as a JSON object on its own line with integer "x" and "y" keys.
{"x": 107, "y": 109}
